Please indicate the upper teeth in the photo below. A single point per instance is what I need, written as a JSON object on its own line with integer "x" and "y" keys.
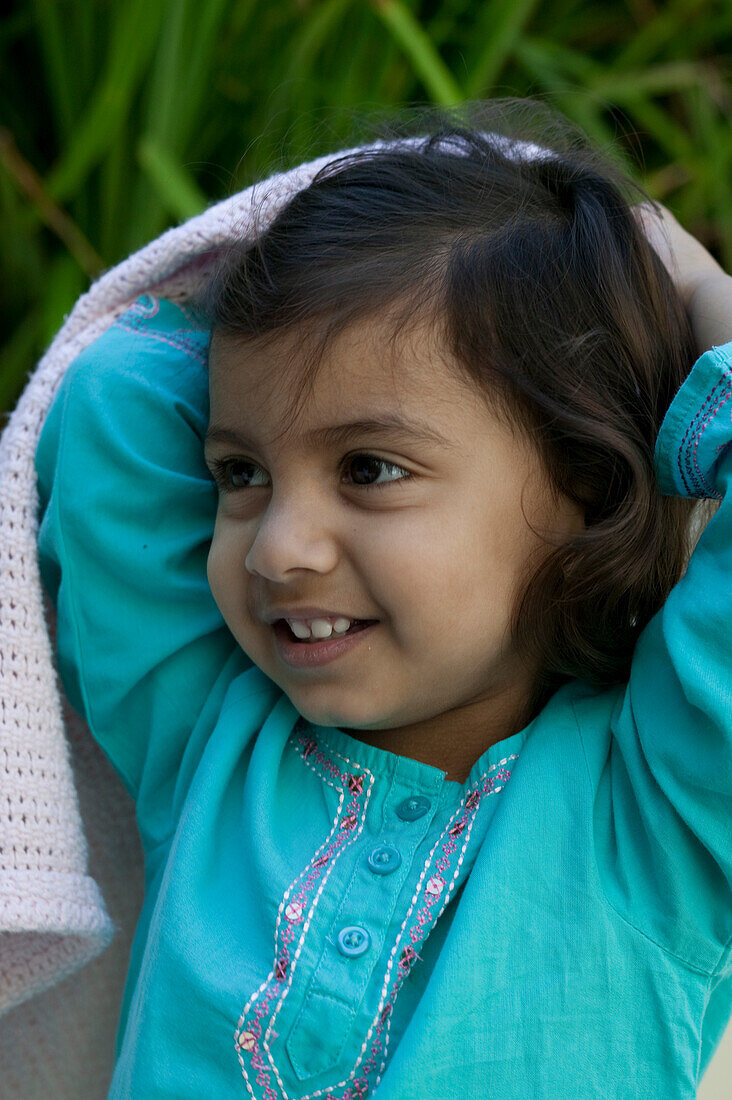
{"x": 318, "y": 628}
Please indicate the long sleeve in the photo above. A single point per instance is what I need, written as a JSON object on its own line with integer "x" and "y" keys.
{"x": 127, "y": 510}
{"x": 662, "y": 816}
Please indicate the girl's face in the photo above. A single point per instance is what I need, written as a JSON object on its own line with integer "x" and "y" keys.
{"x": 425, "y": 527}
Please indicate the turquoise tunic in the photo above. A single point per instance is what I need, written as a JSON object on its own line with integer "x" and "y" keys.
{"x": 327, "y": 919}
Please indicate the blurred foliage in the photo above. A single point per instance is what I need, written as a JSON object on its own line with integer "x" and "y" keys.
{"x": 121, "y": 119}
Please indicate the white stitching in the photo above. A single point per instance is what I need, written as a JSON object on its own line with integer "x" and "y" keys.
{"x": 422, "y": 929}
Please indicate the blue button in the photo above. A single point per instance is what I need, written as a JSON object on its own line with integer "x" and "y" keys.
{"x": 353, "y": 940}
{"x": 413, "y": 807}
{"x": 384, "y": 859}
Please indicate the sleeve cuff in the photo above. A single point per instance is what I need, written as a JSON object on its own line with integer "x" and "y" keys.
{"x": 697, "y": 428}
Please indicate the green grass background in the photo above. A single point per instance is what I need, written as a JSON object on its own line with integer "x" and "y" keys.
{"x": 120, "y": 119}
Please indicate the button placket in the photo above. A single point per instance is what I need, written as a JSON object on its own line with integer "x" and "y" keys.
{"x": 356, "y": 941}
{"x": 414, "y": 813}
{"x": 342, "y": 1019}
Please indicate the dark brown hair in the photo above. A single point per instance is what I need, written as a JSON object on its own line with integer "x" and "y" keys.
{"x": 532, "y": 268}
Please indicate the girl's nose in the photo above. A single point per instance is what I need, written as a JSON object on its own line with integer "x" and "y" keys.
{"x": 291, "y": 537}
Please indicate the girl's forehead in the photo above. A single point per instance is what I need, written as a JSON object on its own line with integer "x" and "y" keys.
{"x": 403, "y": 395}
{"x": 367, "y": 364}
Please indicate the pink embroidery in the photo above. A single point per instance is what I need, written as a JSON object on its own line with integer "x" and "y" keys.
{"x": 425, "y": 919}
{"x": 135, "y": 320}
{"x": 249, "y": 1038}
{"x": 700, "y": 487}
{"x": 181, "y": 342}
{"x": 710, "y": 491}
{"x": 472, "y": 800}
{"x": 434, "y": 886}
{"x": 146, "y": 306}
{"x": 246, "y": 1040}
{"x": 436, "y": 883}
{"x": 293, "y": 912}
{"x": 406, "y": 959}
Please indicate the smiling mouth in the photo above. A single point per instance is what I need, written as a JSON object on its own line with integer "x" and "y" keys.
{"x": 358, "y": 624}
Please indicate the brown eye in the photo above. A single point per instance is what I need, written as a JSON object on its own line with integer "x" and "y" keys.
{"x": 237, "y": 473}
{"x": 240, "y": 474}
{"x": 365, "y": 471}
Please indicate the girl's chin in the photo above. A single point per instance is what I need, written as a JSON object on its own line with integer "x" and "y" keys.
{"x": 349, "y": 719}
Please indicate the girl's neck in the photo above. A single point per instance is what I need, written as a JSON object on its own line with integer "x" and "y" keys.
{"x": 454, "y": 740}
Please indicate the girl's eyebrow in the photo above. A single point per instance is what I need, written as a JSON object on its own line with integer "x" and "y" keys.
{"x": 388, "y": 424}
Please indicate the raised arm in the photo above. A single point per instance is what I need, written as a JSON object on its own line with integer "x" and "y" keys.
{"x": 127, "y": 510}
{"x": 663, "y": 802}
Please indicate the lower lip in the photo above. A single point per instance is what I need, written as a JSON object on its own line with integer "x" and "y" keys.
{"x": 314, "y": 654}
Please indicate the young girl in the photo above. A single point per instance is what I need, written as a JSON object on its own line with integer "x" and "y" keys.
{"x": 430, "y": 739}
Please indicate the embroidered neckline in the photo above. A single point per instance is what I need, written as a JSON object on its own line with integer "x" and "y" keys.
{"x": 427, "y": 777}
{"x": 435, "y": 886}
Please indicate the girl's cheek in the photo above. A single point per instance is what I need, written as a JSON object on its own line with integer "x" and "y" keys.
{"x": 226, "y": 570}
{"x": 213, "y": 575}
{"x": 218, "y": 569}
